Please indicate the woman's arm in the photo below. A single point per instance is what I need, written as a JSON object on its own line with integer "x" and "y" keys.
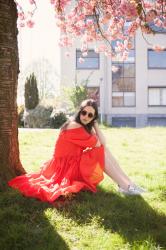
{"x": 99, "y": 134}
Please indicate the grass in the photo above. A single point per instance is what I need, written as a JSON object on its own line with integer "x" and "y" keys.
{"x": 106, "y": 220}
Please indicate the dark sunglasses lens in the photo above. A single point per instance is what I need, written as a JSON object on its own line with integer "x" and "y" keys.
{"x": 90, "y": 115}
{"x": 83, "y": 112}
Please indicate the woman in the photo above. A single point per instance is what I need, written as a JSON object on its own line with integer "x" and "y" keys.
{"x": 78, "y": 162}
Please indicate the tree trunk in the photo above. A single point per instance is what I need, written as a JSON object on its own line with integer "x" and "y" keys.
{"x": 10, "y": 164}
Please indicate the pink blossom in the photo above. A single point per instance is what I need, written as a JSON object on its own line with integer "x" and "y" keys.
{"x": 95, "y": 21}
{"x": 84, "y": 54}
{"x": 89, "y": 22}
{"x": 158, "y": 48}
{"x": 52, "y": 1}
{"x": 128, "y": 8}
{"x": 148, "y": 5}
{"x": 65, "y": 41}
{"x": 97, "y": 50}
{"x": 32, "y": 2}
{"x": 30, "y": 23}
{"x": 21, "y": 25}
{"x": 114, "y": 69}
{"x": 81, "y": 60}
{"x": 102, "y": 47}
{"x": 21, "y": 16}
{"x": 158, "y": 22}
{"x": 125, "y": 55}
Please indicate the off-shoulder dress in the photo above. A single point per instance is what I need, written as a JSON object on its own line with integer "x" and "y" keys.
{"x": 71, "y": 169}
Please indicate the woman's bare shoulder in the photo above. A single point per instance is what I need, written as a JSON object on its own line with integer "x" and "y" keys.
{"x": 73, "y": 124}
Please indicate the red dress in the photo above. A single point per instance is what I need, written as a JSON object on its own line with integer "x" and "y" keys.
{"x": 70, "y": 170}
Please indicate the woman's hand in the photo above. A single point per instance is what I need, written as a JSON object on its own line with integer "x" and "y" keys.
{"x": 87, "y": 149}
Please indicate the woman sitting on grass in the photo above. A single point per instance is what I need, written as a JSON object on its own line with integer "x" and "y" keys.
{"x": 79, "y": 160}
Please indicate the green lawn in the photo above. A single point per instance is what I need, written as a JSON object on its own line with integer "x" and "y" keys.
{"x": 106, "y": 220}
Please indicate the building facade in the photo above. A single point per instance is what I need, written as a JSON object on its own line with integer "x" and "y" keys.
{"x": 130, "y": 93}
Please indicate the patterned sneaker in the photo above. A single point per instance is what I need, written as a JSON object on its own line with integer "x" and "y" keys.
{"x": 132, "y": 190}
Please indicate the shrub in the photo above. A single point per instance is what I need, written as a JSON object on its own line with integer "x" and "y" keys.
{"x": 38, "y": 117}
{"x": 78, "y": 94}
{"x": 31, "y": 92}
{"x": 57, "y": 119}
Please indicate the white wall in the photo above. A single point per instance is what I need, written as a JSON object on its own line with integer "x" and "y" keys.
{"x": 144, "y": 77}
{"x": 147, "y": 77}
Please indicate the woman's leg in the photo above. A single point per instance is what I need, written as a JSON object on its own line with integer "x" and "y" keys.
{"x": 113, "y": 170}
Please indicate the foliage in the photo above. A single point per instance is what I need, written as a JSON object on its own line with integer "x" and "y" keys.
{"x": 20, "y": 115}
{"x": 31, "y": 92}
{"x": 76, "y": 94}
{"x": 57, "y": 119}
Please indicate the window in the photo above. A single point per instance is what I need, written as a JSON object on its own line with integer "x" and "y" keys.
{"x": 129, "y": 98}
{"x": 156, "y": 121}
{"x": 123, "y": 84}
{"x": 123, "y": 99}
{"x": 129, "y": 70}
{"x": 124, "y": 122}
{"x": 156, "y": 60}
{"x": 118, "y": 56}
{"x": 91, "y": 61}
{"x": 117, "y": 99}
{"x": 157, "y": 96}
{"x": 123, "y": 77}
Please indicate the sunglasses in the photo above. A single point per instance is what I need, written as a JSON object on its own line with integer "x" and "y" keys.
{"x": 84, "y": 113}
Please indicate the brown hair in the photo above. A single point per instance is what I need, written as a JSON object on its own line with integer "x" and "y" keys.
{"x": 88, "y": 127}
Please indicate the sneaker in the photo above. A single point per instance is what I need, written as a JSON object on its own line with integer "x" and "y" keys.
{"x": 142, "y": 190}
{"x": 132, "y": 190}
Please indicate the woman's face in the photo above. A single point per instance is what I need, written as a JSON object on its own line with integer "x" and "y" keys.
{"x": 87, "y": 114}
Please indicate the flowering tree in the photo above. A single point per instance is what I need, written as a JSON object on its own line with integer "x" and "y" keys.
{"x": 109, "y": 24}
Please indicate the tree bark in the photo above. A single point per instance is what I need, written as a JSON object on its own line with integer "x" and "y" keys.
{"x": 10, "y": 164}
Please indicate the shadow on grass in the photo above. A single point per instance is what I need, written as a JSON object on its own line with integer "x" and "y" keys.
{"x": 129, "y": 216}
{"x": 23, "y": 224}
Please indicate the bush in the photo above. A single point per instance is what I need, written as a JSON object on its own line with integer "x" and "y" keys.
{"x": 31, "y": 92}
{"x": 57, "y": 119}
{"x": 78, "y": 94}
{"x": 38, "y": 117}
{"x": 20, "y": 116}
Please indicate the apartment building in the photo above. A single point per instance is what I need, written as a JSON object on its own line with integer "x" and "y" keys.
{"x": 130, "y": 93}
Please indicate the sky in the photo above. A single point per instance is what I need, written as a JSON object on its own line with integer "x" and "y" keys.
{"x": 41, "y": 41}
